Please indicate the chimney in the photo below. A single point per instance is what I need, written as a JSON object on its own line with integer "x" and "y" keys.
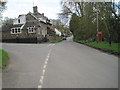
{"x": 43, "y": 14}
{"x": 35, "y": 9}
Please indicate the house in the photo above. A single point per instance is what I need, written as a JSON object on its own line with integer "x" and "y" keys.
{"x": 58, "y": 32}
{"x": 27, "y": 28}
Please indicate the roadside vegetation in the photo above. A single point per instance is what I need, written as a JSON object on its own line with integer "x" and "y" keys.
{"x": 88, "y": 19}
{"x": 3, "y": 58}
{"x": 56, "y": 41}
{"x": 105, "y": 46}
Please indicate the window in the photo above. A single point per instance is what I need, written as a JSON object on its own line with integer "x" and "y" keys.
{"x": 31, "y": 29}
{"x": 18, "y": 20}
{"x": 16, "y": 30}
{"x": 12, "y": 31}
{"x": 19, "y": 30}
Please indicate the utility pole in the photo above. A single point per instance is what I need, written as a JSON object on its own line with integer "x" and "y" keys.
{"x": 97, "y": 23}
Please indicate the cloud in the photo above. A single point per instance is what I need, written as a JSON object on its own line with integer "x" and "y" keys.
{"x": 49, "y": 7}
{"x": 50, "y": 12}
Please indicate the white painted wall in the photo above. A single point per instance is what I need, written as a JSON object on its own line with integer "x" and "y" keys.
{"x": 57, "y": 32}
{"x": 22, "y": 20}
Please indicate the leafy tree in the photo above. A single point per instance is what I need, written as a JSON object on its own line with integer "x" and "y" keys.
{"x": 60, "y": 26}
{"x": 84, "y": 19}
{"x": 7, "y": 21}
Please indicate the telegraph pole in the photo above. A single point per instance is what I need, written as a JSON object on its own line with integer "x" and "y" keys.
{"x": 97, "y": 23}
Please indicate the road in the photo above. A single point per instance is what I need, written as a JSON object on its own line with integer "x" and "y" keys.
{"x": 63, "y": 65}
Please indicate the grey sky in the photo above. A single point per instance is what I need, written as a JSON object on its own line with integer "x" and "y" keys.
{"x": 16, "y": 7}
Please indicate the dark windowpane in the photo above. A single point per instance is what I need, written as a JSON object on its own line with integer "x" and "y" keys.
{"x": 18, "y": 30}
{"x": 15, "y": 30}
{"x": 18, "y": 20}
{"x": 12, "y": 30}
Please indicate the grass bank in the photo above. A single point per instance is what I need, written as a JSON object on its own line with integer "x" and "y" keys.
{"x": 103, "y": 46}
{"x": 56, "y": 41}
{"x": 3, "y": 58}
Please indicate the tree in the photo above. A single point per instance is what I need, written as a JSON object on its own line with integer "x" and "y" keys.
{"x": 61, "y": 27}
{"x": 2, "y": 7}
{"x": 7, "y": 21}
{"x": 74, "y": 23}
{"x": 86, "y": 14}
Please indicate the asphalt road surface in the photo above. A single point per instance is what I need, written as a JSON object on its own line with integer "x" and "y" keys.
{"x": 63, "y": 65}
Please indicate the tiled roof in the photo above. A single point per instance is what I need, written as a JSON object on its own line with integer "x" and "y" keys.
{"x": 29, "y": 24}
{"x": 16, "y": 25}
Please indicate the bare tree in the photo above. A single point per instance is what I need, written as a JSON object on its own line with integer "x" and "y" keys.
{"x": 2, "y": 7}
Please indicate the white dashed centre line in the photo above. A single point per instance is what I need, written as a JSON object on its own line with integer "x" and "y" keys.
{"x": 44, "y": 67}
{"x": 39, "y": 86}
{"x": 50, "y": 45}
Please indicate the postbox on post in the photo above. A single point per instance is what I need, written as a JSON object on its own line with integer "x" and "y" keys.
{"x": 100, "y": 36}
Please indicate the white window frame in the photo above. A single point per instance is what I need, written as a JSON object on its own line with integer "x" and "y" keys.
{"x": 31, "y": 29}
{"x": 16, "y": 30}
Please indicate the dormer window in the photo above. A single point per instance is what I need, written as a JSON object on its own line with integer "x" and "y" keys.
{"x": 18, "y": 20}
{"x": 31, "y": 29}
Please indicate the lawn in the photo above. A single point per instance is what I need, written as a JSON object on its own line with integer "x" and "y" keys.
{"x": 3, "y": 58}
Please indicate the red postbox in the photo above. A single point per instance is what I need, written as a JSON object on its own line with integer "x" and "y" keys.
{"x": 85, "y": 36}
{"x": 100, "y": 36}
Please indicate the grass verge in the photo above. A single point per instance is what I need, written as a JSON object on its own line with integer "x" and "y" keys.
{"x": 56, "y": 41}
{"x": 3, "y": 58}
{"x": 103, "y": 46}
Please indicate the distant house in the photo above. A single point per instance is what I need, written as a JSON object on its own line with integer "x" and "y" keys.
{"x": 58, "y": 32}
{"x": 31, "y": 28}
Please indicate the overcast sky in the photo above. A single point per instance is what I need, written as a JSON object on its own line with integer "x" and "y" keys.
{"x": 50, "y": 8}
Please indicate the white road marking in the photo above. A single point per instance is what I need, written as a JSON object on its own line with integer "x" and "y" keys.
{"x": 53, "y": 44}
{"x": 50, "y": 45}
{"x": 47, "y": 59}
{"x": 44, "y": 67}
{"x": 42, "y": 77}
{"x": 39, "y": 86}
{"x": 43, "y": 73}
{"x": 41, "y": 80}
{"x": 46, "y": 62}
